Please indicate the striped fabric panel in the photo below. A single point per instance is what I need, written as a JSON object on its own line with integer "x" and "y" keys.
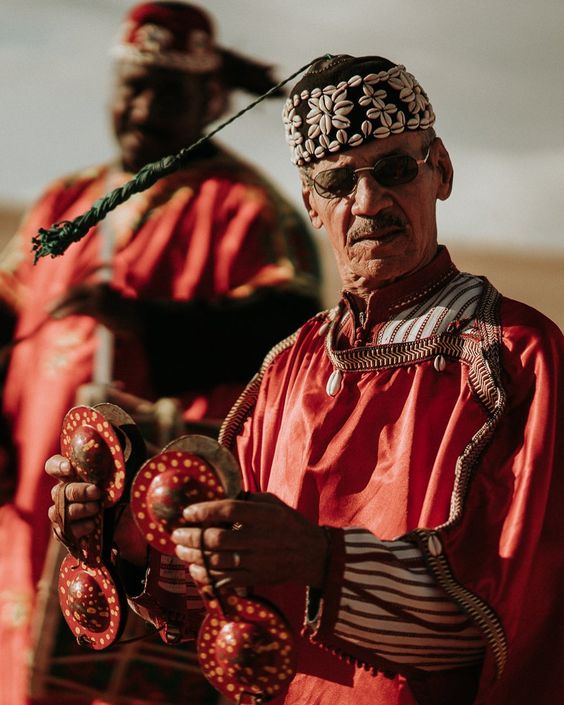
{"x": 391, "y": 604}
{"x": 456, "y": 301}
{"x": 175, "y": 577}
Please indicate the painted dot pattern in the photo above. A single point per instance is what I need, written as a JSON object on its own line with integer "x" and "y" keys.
{"x": 90, "y": 603}
{"x": 86, "y": 416}
{"x": 247, "y": 648}
{"x": 88, "y": 595}
{"x": 163, "y": 487}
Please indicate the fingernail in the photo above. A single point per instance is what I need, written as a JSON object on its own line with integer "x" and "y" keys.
{"x": 197, "y": 573}
{"x": 176, "y": 535}
{"x": 64, "y": 465}
{"x": 94, "y": 492}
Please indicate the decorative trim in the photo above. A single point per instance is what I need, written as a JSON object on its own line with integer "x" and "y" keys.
{"x": 481, "y": 613}
{"x": 485, "y": 381}
{"x": 174, "y": 60}
{"x": 379, "y": 357}
{"x": 151, "y": 44}
{"x": 483, "y": 357}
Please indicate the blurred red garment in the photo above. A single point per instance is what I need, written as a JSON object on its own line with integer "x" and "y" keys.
{"x": 214, "y": 231}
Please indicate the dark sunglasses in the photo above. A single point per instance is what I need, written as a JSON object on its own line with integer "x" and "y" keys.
{"x": 390, "y": 171}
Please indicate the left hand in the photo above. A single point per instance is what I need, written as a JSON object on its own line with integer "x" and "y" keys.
{"x": 81, "y": 507}
{"x": 275, "y": 543}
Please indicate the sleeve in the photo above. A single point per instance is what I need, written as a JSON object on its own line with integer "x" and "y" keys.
{"x": 381, "y": 602}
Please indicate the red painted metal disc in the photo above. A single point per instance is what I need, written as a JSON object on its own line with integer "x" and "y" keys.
{"x": 90, "y": 442}
{"x": 163, "y": 487}
{"x": 90, "y": 602}
{"x": 247, "y": 651}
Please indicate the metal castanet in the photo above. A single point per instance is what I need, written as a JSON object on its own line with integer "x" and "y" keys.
{"x": 101, "y": 444}
{"x": 245, "y": 647}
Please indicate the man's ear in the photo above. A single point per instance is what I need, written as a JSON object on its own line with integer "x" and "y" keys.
{"x": 445, "y": 170}
{"x": 309, "y": 203}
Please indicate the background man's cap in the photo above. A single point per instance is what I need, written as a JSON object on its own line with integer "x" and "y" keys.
{"x": 345, "y": 101}
{"x": 171, "y": 35}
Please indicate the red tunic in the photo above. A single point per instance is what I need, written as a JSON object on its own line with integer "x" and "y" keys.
{"x": 441, "y": 430}
{"x": 214, "y": 229}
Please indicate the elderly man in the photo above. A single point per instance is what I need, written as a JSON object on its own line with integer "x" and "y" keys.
{"x": 400, "y": 449}
{"x": 212, "y": 253}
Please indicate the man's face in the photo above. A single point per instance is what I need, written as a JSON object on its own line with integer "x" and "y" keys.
{"x": 382, "y": 233}
{"x": 155, "y": 112}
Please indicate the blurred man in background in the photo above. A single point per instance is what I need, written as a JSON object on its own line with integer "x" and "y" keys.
{"x": 195, "y": 279}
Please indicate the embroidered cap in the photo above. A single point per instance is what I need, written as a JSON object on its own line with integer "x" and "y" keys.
{"x": 172, "y": 35}
{"x": 345, "y": 101}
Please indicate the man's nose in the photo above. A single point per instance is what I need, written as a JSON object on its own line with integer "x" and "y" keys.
{"x": 369, "y": 196}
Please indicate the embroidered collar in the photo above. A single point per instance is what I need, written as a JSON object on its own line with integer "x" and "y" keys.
{"x": 385, "y": 302}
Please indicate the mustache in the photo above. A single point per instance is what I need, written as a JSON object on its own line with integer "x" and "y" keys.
{"x": 370, "y": 225}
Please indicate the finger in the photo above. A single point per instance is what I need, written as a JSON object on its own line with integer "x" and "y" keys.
{"x": 82, "y": 528}
{"x": 223, "y": 511}
{"x": 87, "y": 510}
{"x": 82, "y": 492}
{"x": 53, "y": 514}
{"x": 216, "y": 561}
{"x": 58, "y": 466}
{"x": 238, "y": 578}
{"x": 215, "y": 539}
{"x": 259, "y": 508}
{"x": 77, "y": 529}
{"x": 265, "y": 498}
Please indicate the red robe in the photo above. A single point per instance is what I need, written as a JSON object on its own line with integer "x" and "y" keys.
{"x": 215, "y": 229}
{"x": 441, "y": 432}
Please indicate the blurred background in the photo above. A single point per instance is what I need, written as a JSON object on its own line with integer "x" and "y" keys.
{"x": 492, "y": 69}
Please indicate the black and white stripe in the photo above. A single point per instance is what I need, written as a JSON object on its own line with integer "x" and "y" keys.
{"x": 457, "y": 301}
{"x": 391, "y": 604}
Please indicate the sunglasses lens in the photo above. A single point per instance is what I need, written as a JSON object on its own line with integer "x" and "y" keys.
{"x": 391, "y": 171}
{"x": 335, "y": 183}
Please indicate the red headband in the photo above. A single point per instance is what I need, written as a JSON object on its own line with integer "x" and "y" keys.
{"x": 170, "y": 35}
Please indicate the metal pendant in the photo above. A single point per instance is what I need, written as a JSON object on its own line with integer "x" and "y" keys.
{"x": 334, "y": 383}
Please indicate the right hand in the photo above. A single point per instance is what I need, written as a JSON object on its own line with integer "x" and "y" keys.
{"x": 82, "y": 498}
{"x": 82, "y": 506}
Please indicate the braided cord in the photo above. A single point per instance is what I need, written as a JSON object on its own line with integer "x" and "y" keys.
{"x": 55, "y": 240}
